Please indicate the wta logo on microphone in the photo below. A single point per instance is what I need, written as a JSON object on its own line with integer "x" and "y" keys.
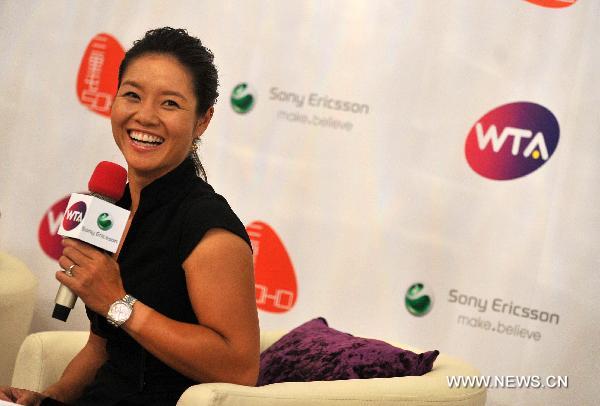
{"x": 74, "y": 215}
{"x": 512, "y": 141}
{"x": 94, "y": 221}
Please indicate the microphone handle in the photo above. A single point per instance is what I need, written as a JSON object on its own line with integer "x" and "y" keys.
{"x": 64, "y": 302}
{"x": 65, "y": 299}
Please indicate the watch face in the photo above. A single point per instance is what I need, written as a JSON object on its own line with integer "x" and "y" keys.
{"x": 120, "y": 312}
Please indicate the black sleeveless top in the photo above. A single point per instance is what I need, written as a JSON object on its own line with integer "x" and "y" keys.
{"x": 174, "y": 213}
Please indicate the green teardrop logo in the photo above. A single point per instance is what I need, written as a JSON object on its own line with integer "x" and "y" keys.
{"x": 105, "y": 222}
{"x": 418, "y": 300}
{"x": 242, "y": 98}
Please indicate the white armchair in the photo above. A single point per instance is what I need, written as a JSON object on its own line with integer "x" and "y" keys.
{"x": 17, "y": 301}
{"x": 43, "y": 356}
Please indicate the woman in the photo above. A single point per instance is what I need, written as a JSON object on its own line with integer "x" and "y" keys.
{"x": 186, "y": 257}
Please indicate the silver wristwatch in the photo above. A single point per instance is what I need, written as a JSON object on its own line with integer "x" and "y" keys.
{"x": 120, "y": 311}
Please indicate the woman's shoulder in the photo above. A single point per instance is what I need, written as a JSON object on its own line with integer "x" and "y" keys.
{"x": 204, "y": 209}
{"x": 202, "y": 198}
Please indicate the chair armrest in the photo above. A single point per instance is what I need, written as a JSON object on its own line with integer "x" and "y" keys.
{"x": 268, "y": 338}
{"x": 43, "y": 357}
{"x": 17, "y": 301}
{"x": 431, "y": 388}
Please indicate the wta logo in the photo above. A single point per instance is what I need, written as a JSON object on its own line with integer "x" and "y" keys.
{"x": 275, "y": 279}
{"x": 418, "y": 299}
{"x": 98, "y": 73}
{"x": 553, "y": 3}
{"x": 74, "y": 215}
{"x": 512, "y": 140}
{"x": 48, "y": 236}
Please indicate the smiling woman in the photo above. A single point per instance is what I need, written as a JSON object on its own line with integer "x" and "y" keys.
{"x": 154, "y": 117}
{"x": 169, "y": 80}
{"x": 191, "y": 57}
{"x": 176, "y": 304}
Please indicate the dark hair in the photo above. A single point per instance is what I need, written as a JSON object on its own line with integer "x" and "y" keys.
{"x": 190, "y": 52}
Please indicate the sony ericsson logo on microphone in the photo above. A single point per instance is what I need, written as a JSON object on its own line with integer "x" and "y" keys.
{"x": 74, "y": 215}
{"x": 243, "y": 98}
{"x": 105, "y": 222}
{"x": 418, "y": 299}
{"x": 512, "y": 140}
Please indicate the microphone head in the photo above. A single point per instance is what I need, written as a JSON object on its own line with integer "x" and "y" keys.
{"x": 108, "y": 180}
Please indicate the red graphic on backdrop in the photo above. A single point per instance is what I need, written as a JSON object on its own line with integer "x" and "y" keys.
{"x": 275, "y": 279}
{"x": 98, "y": 73}
{"x": 48, "y": 236}
{"x": 553, "y": 3}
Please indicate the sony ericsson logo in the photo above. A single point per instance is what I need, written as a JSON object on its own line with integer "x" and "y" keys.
{"x": 512, "y": 140}
{"x": 74, "y": 215}
{"x": 243, "y": 98}
{"x": 105, "y": 221}
{"x": 418, "y": 299}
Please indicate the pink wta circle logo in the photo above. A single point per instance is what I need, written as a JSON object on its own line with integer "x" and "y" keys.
{"x": 74, "y": 215}
{"x": 512, "y": 140}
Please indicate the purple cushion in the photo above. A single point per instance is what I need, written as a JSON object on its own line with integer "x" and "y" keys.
{"x": 316, "y": 352}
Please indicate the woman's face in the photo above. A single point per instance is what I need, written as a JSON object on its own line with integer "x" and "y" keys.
{"x": 154, "y": 118}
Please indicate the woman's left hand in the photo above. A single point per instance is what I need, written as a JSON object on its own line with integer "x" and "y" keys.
{"x": 96, "y": 276}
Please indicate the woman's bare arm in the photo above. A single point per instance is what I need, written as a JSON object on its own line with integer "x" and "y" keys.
{"x": 225, "y": 346}
{"x": 80, "y": 372}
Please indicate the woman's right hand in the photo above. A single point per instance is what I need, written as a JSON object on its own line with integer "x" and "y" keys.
{"x": 21, "y": 396}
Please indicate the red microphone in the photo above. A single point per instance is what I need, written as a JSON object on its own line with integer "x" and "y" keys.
{"x": 107, "y": 183}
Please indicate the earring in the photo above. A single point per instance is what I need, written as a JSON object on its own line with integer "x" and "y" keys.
{"x": 194, "y": 154}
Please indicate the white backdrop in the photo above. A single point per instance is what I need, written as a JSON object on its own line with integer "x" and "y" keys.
{"x": 355, "y": 214}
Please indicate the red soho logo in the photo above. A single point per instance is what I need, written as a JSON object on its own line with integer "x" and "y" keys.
{"x": 98, "y": 73}
{"x": 74, "y": 215}
{"x": 512, "y": 140}
{"x": 275, "y": 280}
{"x": 48, "y": 236}
{"x": 553, "y": 3}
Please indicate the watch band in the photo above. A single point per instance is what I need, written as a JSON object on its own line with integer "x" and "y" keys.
{"x": 129, "y": 299}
